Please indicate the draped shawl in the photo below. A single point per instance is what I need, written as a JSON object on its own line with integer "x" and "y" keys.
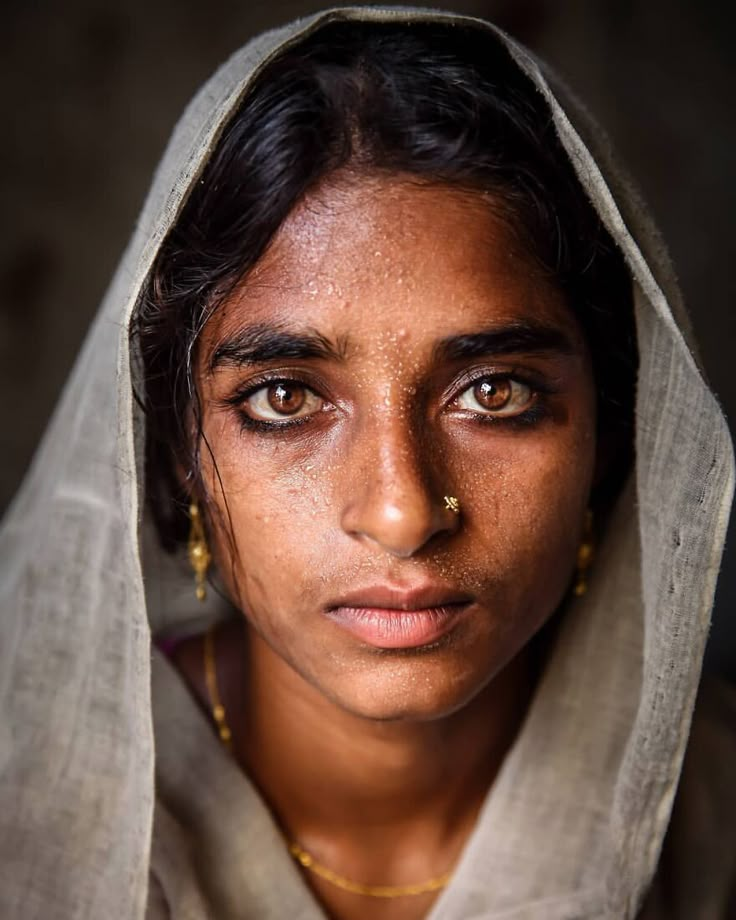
{"x": 98, "y": 821}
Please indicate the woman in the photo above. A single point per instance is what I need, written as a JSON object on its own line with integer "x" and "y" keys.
{"x": 375, "y": 367}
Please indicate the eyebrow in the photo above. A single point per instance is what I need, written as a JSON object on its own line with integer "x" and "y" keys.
{"x": 519, "y": 338}
{"x": 262, "y": 343}
{"x": 259, "y": 344}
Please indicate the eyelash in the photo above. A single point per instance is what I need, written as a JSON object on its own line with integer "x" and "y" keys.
{"x": 537, "y": 411}
{"x": 248, "y": 423}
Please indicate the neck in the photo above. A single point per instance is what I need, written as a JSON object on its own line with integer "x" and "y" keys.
{"x": 325, "y": 771}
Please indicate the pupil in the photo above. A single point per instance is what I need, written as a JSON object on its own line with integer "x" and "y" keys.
{"x": 493, "y": 394}
{"x": 286, "y": 400}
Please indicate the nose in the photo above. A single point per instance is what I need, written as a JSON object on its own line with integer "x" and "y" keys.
{"x": 393, "y": 497}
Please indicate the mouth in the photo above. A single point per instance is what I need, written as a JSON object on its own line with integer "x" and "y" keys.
{"x": 390, "y": 617}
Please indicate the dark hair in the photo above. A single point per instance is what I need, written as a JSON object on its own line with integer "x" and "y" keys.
{"x": 440, "y": 103}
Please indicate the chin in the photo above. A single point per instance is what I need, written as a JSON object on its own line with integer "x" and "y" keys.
{"x": 408, "y": 686}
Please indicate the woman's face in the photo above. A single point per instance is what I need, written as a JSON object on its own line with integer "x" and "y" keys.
{"x": 395, "y": 346}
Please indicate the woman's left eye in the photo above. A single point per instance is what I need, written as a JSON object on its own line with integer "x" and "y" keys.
{"x": 497, "y": 396}
{"x": 283, "y": 399}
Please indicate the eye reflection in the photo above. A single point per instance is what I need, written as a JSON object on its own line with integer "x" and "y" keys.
{"x": 283, "y": 399}
{"x": 502, "y": 396}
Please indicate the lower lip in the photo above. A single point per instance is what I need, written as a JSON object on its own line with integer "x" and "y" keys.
{"x": 389, "y": 628}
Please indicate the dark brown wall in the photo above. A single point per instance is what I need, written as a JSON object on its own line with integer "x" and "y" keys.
{"x": 90, "y": 92}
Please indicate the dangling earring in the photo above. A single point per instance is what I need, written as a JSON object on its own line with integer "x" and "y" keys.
{"x": 586, "y": 552}
{"x": 199, "y": 554}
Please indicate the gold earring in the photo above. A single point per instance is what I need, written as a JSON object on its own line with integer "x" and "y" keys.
{"x": 198, "y": 551}
{"x": 586, "y": 551}
{"x": 452, "y": 504}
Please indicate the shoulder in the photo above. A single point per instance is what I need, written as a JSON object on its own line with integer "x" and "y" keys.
{"x": 157, "y": 907}
{"x": 187, "y": 656}
{"x": 696, "y": 878}
{"x": 174, "y": 891}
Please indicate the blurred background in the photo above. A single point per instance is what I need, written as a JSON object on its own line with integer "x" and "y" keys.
{"x": 91, "y": 91}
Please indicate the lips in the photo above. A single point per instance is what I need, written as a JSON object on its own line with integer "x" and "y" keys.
{"x": 395, "y": 617}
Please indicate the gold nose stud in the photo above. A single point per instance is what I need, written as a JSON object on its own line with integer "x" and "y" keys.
{"x": 452, "y": 504}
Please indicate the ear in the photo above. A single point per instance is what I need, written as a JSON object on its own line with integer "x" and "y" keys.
{"x": 184, "y": 477}
{"x": 604, "y": 455}
{"x": 614, "y": 454}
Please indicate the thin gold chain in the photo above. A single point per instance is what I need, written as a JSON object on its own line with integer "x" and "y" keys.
{"x": 210, "y": 676}
{"x": 305, "y": 859}
{"x": 372, "y": 891}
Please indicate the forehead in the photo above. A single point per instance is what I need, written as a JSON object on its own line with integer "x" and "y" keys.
{"x": 367, "y": 257}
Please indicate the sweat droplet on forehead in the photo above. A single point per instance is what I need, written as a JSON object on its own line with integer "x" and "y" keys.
{"x": 383, "y": 271}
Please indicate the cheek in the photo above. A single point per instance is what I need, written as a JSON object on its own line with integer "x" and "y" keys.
{"x": 270, "y": 508}
{"x": 526, "y": 496}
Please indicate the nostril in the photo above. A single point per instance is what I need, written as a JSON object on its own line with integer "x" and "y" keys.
{"x": 400, "y": 526}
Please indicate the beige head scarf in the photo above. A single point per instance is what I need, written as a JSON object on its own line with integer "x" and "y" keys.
{"x": 574, "y": 823}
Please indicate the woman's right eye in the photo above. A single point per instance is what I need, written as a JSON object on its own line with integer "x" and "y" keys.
{"x": 281, "y": 400}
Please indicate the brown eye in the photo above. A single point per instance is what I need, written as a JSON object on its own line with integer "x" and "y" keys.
{"x": 283, "y": 399}
{"x": 493, "y": 394}
{"x": 500, "y": 396}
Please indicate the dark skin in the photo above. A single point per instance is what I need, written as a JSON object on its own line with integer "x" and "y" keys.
{"x": 394, "y": 345}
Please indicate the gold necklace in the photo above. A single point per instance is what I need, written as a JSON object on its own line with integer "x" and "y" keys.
{"x": 210, "y": 677}
{"x": 304, "y": 858}
{"x": 372, "y": 891}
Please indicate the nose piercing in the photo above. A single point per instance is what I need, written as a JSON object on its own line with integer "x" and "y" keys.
{"x": 452, "y": 504}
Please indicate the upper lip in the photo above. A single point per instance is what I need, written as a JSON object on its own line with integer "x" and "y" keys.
{"x": 397, "y": 597}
